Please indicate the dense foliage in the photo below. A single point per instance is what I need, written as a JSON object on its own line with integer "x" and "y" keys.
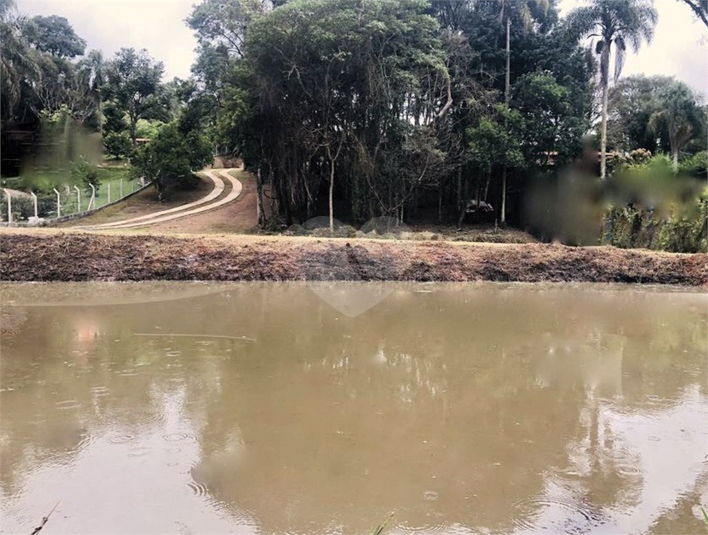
{"x": 367, "y": 108}
{"x": 171, "y": 157}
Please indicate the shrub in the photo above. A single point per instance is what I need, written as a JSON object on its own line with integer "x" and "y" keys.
{"x": 170, "y": 157}
{"x": 658, "y": 208}
{"x": 85, "y": 173}
{"x": 118, "y": 145}
{"x": 684, "y": 230}
{"x": 695, "y": 166}
{"x": 23, "y": 207}
{"x": 147, "y": 129}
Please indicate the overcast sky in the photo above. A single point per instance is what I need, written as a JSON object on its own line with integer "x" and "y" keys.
{"x": 679, "y": 48}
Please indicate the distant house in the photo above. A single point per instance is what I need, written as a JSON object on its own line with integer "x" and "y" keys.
{"x": 142, "y": 140}
{"x": 549, "y": 158}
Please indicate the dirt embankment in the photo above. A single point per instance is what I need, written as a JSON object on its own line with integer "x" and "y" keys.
{"x": 76, "y": 256}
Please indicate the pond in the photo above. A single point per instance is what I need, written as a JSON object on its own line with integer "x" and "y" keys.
{"x": 260, "y": 408}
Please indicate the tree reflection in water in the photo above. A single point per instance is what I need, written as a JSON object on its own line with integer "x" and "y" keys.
{"x": 497, "y": 407}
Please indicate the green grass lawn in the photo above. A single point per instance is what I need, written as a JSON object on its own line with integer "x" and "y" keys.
{"x": 110, "y": 183}
{"x": 45, "y": 180}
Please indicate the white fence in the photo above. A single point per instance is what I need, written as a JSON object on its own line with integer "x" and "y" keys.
{"x": 70, "y": 202}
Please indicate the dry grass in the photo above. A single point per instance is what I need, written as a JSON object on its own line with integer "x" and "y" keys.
{"x": 53, "y": 255}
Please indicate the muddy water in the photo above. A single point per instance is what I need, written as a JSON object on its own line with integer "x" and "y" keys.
{"x": 203, "y": 408}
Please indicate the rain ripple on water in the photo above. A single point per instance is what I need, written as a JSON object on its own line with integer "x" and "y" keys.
{"x": 557, "y": 515}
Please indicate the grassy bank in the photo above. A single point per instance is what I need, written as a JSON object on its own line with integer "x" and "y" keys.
{"x": 52, "y": 255}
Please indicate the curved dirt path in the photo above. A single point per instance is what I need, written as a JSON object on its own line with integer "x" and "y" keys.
{"x": 207, "y": 202}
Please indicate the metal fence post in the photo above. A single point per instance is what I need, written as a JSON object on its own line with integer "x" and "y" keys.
{"x": 9, "y": 205}
{"x": 34, "y": 199}
{"x": 58, "y": 202}
{"x": 109, "y": 195}
{"x": 78, "y": 199}
{"x": 92, "y": 201}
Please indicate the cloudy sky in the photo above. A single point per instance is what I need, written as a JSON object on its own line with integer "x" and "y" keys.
{"x": 679, "y": 48}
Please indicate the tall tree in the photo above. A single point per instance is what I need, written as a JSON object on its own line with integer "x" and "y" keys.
{"x": 91, "y": 73}
{"x": 632, "y": 101}
{"x": 614, "y": 24}
{"x": 60, "y": 87}
{"x": 496, "y": 141}
{"x": 681, "y": 116}
{"x": 133, "y": 83}
{"x": 54, "y": 35}
{"x": 171, "y": 156}
{"x": 526, "y": 12}
{"x": 224, "y": 22}
{"x": 368, "y": 75}
{"x": 17, "y": 61}
{"x": 553, "y": 126}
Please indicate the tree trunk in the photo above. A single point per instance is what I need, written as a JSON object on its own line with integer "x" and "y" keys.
{"x": 507, "y": 99}
{"x": 100, "y": 115}
{"x": 503, "y": 206}
{"x": 476, "y": 213}
{"x": 259, "y": 198}
{"x": 414, "y": 209}
{"x": 507, "y": 87}
{"x": 440, "y": 203}
{"x": 459, "y": 186}
{"x": 331, "y": 194}
{"x": 603, "y": 137}
{"x": 675, "y": 155}
{"x": 159, "y": 189}
{"x": 132, "y": 127}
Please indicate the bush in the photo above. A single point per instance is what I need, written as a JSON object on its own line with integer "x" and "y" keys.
{"x": 695, "y": 166}
{"x": 170, "y": 157}
{"x": 118, "y": 145}
{"x": 85, "y": 173}
{"x": 147, "y": 129}
{"x": 23, "y": 207}
{"x": 657, "y": 208}
{"x": 685, "y": 230}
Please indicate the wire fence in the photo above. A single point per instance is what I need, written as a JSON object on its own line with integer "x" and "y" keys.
{"x": 17, "y": 207}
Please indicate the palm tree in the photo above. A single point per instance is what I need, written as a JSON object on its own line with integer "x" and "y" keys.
{"x": 17, "y": 61}
{"x": 523, "y": 12}
{"x": 92, "y": 71}
{"x": 614, "y": 23}
{"x": 681, "y": 116}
